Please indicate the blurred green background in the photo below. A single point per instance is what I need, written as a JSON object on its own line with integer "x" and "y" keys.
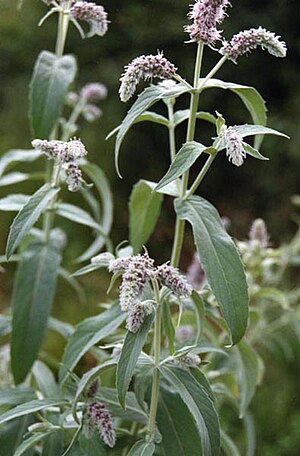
{"x": 257, "y": 189}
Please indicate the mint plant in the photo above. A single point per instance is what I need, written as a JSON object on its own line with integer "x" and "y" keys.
{"x": 177, "y": 346}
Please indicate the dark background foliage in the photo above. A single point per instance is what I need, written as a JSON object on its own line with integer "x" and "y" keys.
{"x": 257, "y": 189}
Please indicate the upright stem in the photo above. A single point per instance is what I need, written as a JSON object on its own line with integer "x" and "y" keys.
{"x": 155, "y": 378}
{"x": 201, "y": 175}
{"x": 63, "y": 25}
{"x": 180, "y": 224}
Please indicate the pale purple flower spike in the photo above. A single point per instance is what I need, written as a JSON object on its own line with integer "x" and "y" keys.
{"x": 98, "y": 417}
{"x": 93, "y": 14}
{"x": 258, "y": 233}
{"x": 234, "y": 146}
{"x": 206, "y": 14}
{"x": 171, "y": 278}
{"x": 144, "y": 67}
{"x": 244, "y": 42}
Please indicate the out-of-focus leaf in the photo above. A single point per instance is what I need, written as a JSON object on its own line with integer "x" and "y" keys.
{"x": 18, "y": 155}
{"x": 132, "y": 412}
{"x": 220, "y": 260}
{"x": 32, "y": 301}
{"x": 50, "y": 81}
{"x": 10, "y": 396}
{"x": 30, "y": 442}
{"x": 45, "y": 380}
{"x": 27, "y": 216}
{"x": 142, "y": 448}
{"x": 228, "y": 446}
{"x": 13, "y": 178}
{"x": 144, "y": 209}
{"x": 170, "y": 189}
{"x": 30, "y": 407}
{"x": 92, "y": 446}
{"x": 248, "y": 370}
{"x": 168, "y": 327}
{"x": 184, "y": 114}
{"x": 13, "y": 202}
{"x": 63, "y": 328}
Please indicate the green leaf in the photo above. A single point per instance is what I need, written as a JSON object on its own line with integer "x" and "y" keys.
{"x": 177, "y": 427}
{"x": 11, "y": 436}
{"x": 146, "y": 99}
{"x": 130, "y": 353}
{"x": 27, "y": 217}
{"x": 10, "y": 396}
{"x": 200, "y": 406}
{"x": 100, "y": 180}
{"x": 144, "y": 209}
{"x": 168, "y": 327}
{"x": 253, "y": 152}
{"x": 228, "y": 446}
{"x": 45, "y": 380}
{"x": 132, "y": 412}
{"x": 184, "y": 159}
{"x": 32, "y": 301}
{"x": 30, "y": 442}
{"x": 50, "y": 81}
{"x": 88, "y": 333}
{"x": 251, "y": 130}
{"x": 142, "y": 448}
{"x": 86, "y": 269}
{"x": 170, "y": 189}
{"x": 92, "y": 446}
{"x": 200, "y": 314}
{"x": 248, "y": 371}
{"x": 251, "y": 99}
{"x": 61, "y": 327}
{"x": 30, "y": 407}
{"x": 146, "y": 116}
{"x": 78, "y": 215}
{"x": 184, "y": 114}
{"x": 220, "y": 260}
{"x": 13, "y": 202}
{"x": 13, "y": 178}
{"x": 18, "y": 155}
{"x": 53, "y": 443}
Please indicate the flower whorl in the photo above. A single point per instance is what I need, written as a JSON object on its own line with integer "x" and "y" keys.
{"x": 98, "y": 417}
{"x": 234, "y": 146}
{"x": 206, "y": 14}
{"x": 172, "y": 279}
{"x": 244, "y": 42}
{"x": 144, "y": 67}
{"x": 93, "y": 14}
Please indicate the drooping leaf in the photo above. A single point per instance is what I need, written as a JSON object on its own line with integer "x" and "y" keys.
{"x": 133, "y": 411}
{"x": 88, "y": 333}
{"x": 10, "y": 396}
{"x": 248, "y": 371}
{"x": 50, "y": 81}
{"x": 170, "y": 189}
{"x": 32, "y": 301}
{"x": 78, "y": 215}
{"x": 184, "y": 159}
{"x": 13, "y": 202}
{"x": 251, "y": 130}
{"x": 18, "y": 155}
{"x": 45, "y": 380}
{"x": 144, "y": 209}
{"x": 251, "y": 99}
{"x": 30, "y": 442}
{"x": 27, "y": 216}
{"x": 30, "y": 407}
{"x": 253, "y": 152}
{"x": 220, "y": 260}
{"x": 130, "y": 353}
{"x": 74, "y": 284}
{"x": 86, "y": 269}
{"x": 142, "y": 448}
{"x": 228, "y": 446}
{"x": 177, "y": 427}
{"x": 100, "y": 180}
{"x": 184, "y": 114}
{"x": 61, "y": 327}
{"x": 200, "y": 406}
{"x": 13, "y": 178}
{"x": 146, "y": 99}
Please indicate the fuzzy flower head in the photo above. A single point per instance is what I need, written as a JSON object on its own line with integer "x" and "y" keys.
{"x": 258, "y": 234}
{"x": 97, "y": 417}
{"x": 144, "y": 67}
{"x": 234, "y": 146}
{"x": 171, "y": 278}
{"x": 93, "y": 92}
{"x": 93, "y": 14}
{"x": 206, "y": 14}
{"x": 137, "y": 314}
{"x": 244, "y": 42}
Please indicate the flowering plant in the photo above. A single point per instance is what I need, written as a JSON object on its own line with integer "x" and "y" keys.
{"x": 176, "y": 345}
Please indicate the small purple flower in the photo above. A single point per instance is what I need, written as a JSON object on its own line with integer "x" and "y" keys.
{"x": 144, "y": 67}
{"x": 171, "y": 278}
{"x": 98, "y": 417}
{"x": 184, "y": 332}
{"x": 244, "y": 42}
{"x": 94, "y": 14}
{"x": 258, "y": 233}
{"x": 234, "y": 146}
{"x": 189, "y": 360}
{"x": 73, "y": 176}
{"x": 137, "y": 314}
{"x": 206, "y": 14}
{"x": 195, "y": 274}
{"x": 93, "y": 92}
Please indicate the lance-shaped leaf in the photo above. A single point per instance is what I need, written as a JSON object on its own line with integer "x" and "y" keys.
{"x": 142, "y": 448}
{"x": 184, "y": 114}
{"x": 30, "y": 407}
{"x": 184, "y": 159}
{"x": 13, "y": 202}
{"x": 220, "y": 260}
{"x": 248, "y": 372}
{"x": 27, "y": 216}
{"x": 78, "y": 215}
{"x": 144, "y": 209}
{"x": 130, "y": 353}
{"x": 132, "y": 412}
{"x": 32, "y": 301}
{"x": 177, "y": 426}
{"x": 13, "y": 178}
{"x": 200, "y": 406}
{"x": 88, "y": 333}
{"x": 50, "y": 81}
{"x": 92, "y": 446}
{"x": 31, "y": 442}
{"x": 16, "y": 155}
{"x": 146, "y": 99}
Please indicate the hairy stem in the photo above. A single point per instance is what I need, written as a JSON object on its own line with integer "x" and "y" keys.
{"x": 155, "y": 378}
{"x": 180, "y": 224}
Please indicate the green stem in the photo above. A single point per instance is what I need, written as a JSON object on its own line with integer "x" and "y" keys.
{"x": 67, "y": 129}
{"x": 155, "y": 378}
{"x": 200, "y": 176}
{"x": 63, "y": 25}
{"x": 214, "y": 70}
{"x": 171, "y": 128}
{"x": 180, "y": 224}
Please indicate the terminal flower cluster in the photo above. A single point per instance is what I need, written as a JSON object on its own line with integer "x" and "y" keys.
{"x": 94, "y": 15}
{"x": 234, "y": 146}
{"x": 97, "y": 417}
